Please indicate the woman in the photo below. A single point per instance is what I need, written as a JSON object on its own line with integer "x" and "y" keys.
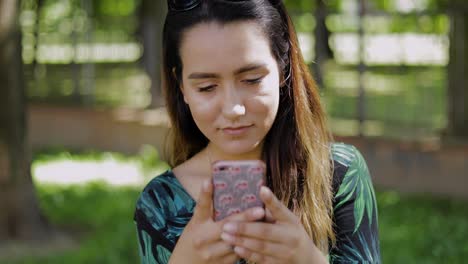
{"x": 237, "y": 88}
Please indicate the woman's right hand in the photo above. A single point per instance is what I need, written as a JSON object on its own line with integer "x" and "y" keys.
{"x": 201, "y": 240}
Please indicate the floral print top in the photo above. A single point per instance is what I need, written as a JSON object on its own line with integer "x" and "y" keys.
{"x": 164, "y": 208}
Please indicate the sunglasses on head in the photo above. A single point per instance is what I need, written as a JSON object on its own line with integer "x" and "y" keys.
{"x": 186, "y": 5}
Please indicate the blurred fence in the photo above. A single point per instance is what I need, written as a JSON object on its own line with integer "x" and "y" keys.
{"x": 387, "y": 78}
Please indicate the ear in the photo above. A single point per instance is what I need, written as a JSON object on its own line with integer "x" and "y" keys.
{"x": 181, "y": 84}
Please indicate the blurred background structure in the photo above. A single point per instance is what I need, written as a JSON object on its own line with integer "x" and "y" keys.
{"x": 81, "y": 105}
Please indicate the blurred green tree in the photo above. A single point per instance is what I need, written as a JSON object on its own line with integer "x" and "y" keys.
{"x": 20, "y": 216}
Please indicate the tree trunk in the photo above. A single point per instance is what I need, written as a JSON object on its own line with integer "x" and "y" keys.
{"x": 40, "y": 4}
{"x": 458, "y": 72}
{"x": 151, "y": 16}
{"x": 323, "y": 52}
{"x": 20, "y": 217}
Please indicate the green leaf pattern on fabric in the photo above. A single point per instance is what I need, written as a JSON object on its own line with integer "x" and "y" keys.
{"x": 163, "y": 254}
{"x": 147, "y": 258}
{"x": 354, "y": 254}
{"x": 358, "y": 240}
{"x": 357, "y": 183}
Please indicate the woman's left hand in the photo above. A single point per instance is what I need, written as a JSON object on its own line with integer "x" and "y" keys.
{"x": 281, "y": 239}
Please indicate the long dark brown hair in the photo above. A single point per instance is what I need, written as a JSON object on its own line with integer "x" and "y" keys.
{"x": 297, "y": 147}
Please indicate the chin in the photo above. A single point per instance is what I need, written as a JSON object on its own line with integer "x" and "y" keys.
{"x": 236, "y": 148}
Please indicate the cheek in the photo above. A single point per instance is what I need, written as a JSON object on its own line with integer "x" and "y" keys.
{"x": 264, "y": 107}
{"x": 204, "y": 112}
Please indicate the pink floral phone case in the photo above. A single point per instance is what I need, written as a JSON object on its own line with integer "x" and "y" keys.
{"x": 236, "y": 186}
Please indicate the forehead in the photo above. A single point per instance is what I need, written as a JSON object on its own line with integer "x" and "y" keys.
{"x": 219, "y": 47}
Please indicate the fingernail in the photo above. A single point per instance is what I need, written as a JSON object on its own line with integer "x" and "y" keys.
{"x": 265, "y": 192}
{"x": 226, "y": 237}
{"x": 257, "y": 212}
{"x": 230, "y": 228}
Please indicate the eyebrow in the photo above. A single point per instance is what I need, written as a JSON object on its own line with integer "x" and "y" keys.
{"x": 247, "y": 68}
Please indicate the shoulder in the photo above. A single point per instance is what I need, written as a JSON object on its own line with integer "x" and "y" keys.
{"x": 158, "y": 189}
{"x": 150, "y": 202}
{"x": 157, "y": 214}
{"x": 351, "y": 177}
{"x": 162, "y": 197}
{"x": 162, "y": 184}
{"x": 348, "y": 162}
{"x": 344, "y": 154}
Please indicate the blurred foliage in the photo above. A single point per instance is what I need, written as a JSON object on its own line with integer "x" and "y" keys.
{"x": 308, "y": 5}
{"x": 377, "y": 5}
{"x": 109, "y": 21}
{"x": 422, "y": 24}
{"x": 99, "y": 216}
{"x": 406, "y": 101}
{"x": 115, "y": 84}
{"x": 117, "y": 20}
{"x": 425, "y": 18}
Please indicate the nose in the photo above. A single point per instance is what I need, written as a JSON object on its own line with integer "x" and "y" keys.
{"x": 233, "y": 106}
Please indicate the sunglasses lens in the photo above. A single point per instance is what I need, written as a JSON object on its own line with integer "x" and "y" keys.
{"x": 182, "y": 5}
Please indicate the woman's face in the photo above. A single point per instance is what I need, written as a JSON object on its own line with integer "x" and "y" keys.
{"x": 230, "y": 81}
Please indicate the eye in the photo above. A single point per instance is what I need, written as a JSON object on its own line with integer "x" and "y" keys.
{"x": 207, "y": 88}
{"x": 254, "y": 81}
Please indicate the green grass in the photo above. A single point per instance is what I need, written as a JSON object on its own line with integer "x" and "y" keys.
{"x": 422, "y": 229}
{"x": 413, "y": 228}
{"x": 99, "y": 215}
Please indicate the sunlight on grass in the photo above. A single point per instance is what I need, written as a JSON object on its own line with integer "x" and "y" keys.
{"x": 64, "y": 168}
{"x": 111, "y": 171}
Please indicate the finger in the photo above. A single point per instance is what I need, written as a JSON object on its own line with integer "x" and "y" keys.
{"x": 204, "y": 207}
{"x": 211, "y": 234}
{"x": 249, "y": 215}
{"x": 256, "y": 245}
{"x": 258, "y": 230}
{"x": 254, "y": 256}
{"x": 216, "y": 250}
{"x": 269, "y": 217}
{"x": 277, "y": 209}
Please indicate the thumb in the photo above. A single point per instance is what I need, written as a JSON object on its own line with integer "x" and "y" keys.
{"x": 269, "y": 217}
{"x": 204, "y": 206}
{"x": 275, "y": 209}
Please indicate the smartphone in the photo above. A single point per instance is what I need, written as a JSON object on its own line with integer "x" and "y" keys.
{"x": 236, "y": 186}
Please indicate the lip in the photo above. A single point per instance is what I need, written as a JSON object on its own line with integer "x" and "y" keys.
{"x": 236, "y": 131}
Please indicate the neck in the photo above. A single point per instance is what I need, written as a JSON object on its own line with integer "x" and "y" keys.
{"x": 215, "y": 154}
